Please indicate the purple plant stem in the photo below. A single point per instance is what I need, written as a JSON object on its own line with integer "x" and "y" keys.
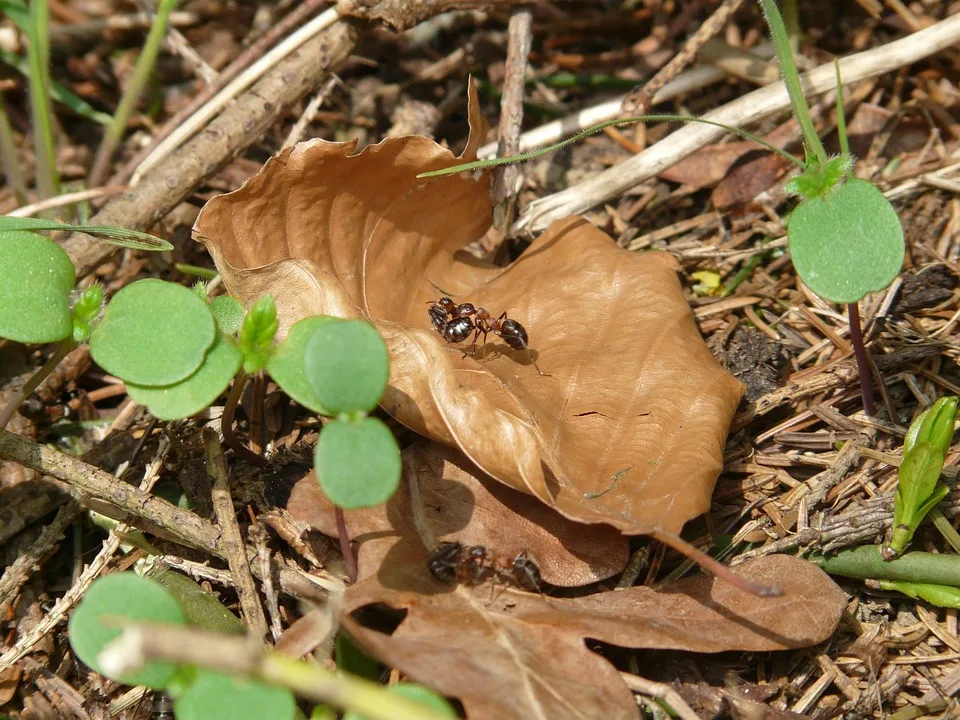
{"x": 863, "y": 365}
{"x": 349, "y": 561}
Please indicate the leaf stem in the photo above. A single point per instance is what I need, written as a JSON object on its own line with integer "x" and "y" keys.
{"x": 141, "y": 73}
{"x": 33, "y": 383}
{"x": 863, "y": 363}
{"x": 226, "y": 423}
{"x": 791, "y": 78}
{"x": 349, "y": 561}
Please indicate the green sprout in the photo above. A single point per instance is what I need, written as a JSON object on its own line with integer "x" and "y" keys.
{"x": 918, "y": 489}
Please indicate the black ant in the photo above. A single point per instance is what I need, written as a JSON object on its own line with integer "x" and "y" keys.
{"x": 455, "y": 323}
{"x": 473, "y": 565}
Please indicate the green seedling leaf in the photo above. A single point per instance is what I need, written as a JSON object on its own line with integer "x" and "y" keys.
{"x": 934, "y": 425}
{"x": 357, "y": 462}
{"x": 122, "y": 596}
{"x": 85, "y": 311}
{"x": 257, "y": 333}
{"x": 352, "y": 659}
{"x": 418, "y": 694}
{"x": 917, "y": 493}
{"x": 216, "y": 696}
{"x": 288, "y": 367}
{"x": 153, "y": 333}
{"x": 190, "y": 396}
{"x": 848, "y": 243}
{"x": 36, "y": 278}
{"x": 348, "y": 366}
{"x": 945, "y": 596}
{"x": 113, "y": 235}
{"x": 228, "y": 312}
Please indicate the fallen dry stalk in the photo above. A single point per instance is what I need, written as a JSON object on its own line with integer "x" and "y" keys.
{"x": 246, "y": 656}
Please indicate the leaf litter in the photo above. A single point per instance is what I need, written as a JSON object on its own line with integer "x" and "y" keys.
{"x": 623, "y": 434}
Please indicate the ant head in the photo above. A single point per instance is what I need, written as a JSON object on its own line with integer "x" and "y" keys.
{"x": 447, "y": 304}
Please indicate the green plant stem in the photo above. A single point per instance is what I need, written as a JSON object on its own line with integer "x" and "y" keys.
{"x": 33, "y": 383}
{"x": 141, "y": 73}
{"x": 942, "y": 524}
{"x": 197, "y": 271}
{"x": 245, "y": 657}
{"x": 593, "y": 129}
{"x": 38, "y": 55}
{"x": 349, "y": 561}
{"x": 9, "y": 159}
{"x": 863, "y": 364}
{"x": 864, "y": 562}
{"x": 743, "y": 273}
{"x": 226, "y": 423}
{"x": 791, "y": 78}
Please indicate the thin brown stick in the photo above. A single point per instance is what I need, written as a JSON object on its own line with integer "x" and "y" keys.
{"x": 714, "y": 566}
{"x": 506, "y": 177}
{"x": 660, "y": 691}
{"x": 34, "y": 382}
{"x": 231, "y": 541}
{"x": 640, "y": 98}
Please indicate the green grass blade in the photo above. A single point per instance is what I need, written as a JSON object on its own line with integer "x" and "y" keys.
{"x": 38, "y": 56}
{"x": 141, "y": 73}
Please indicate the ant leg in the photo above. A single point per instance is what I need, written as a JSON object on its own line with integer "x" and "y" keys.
{"x": 473, "y": 346}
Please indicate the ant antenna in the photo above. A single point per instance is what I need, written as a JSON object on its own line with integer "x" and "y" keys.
{"x": 714, "y": 566}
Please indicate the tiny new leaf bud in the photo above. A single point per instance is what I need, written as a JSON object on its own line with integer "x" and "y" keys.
{"x": 200, "y": 288}
{"x": 918, "y": 490}
{"x": 256, "y": 336}
{"x": 85, "y": 311}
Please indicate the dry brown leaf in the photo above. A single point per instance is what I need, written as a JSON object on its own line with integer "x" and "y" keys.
{"x": 628, "y": 428}
{"x": 507, "y": 653}
{"x": 459, "y": 505}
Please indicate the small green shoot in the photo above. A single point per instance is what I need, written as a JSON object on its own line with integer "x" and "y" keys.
{"x": 38, "y": 56}
{"x": 918, "y": 490}
{"x": 36, "y": 278}
{"x": 153, "y": 333}
{"x": 257, "y": 332}
{"x": 112, "y": 599}
{"x": 86, "y": 311}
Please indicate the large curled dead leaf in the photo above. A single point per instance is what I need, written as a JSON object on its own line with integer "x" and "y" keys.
{"x": 629, "y": 425}
{"x": 507, "y": 653}
{"x": 455, "y": 504}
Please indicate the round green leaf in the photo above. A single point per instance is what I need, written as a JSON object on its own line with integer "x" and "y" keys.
{"x": 128, "y": 596}
{"x": 418, "y": 694}
{"x": 357, "y": 462}
{"x": 228, "y": 312}
{"x": 153, "y": 333}
{"x": 36, "y": 278}
{"x": 216, "y": 696}
{"x": 190, "y": 396}
{"x": 287, "y": 365}
{"x": 848, "y": 243}
{"x": 348, "y": 366}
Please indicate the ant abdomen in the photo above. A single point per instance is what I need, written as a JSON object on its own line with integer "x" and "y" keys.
{"x": 457, "y": 330}
{"x": 513, "y": 334}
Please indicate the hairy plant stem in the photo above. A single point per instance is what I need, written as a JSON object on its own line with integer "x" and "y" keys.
{"x": 349, "y": 561}
{"x": 226, "y": 424}
{"x": 863, "y": 363}
{"x": 63, "y": 349}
